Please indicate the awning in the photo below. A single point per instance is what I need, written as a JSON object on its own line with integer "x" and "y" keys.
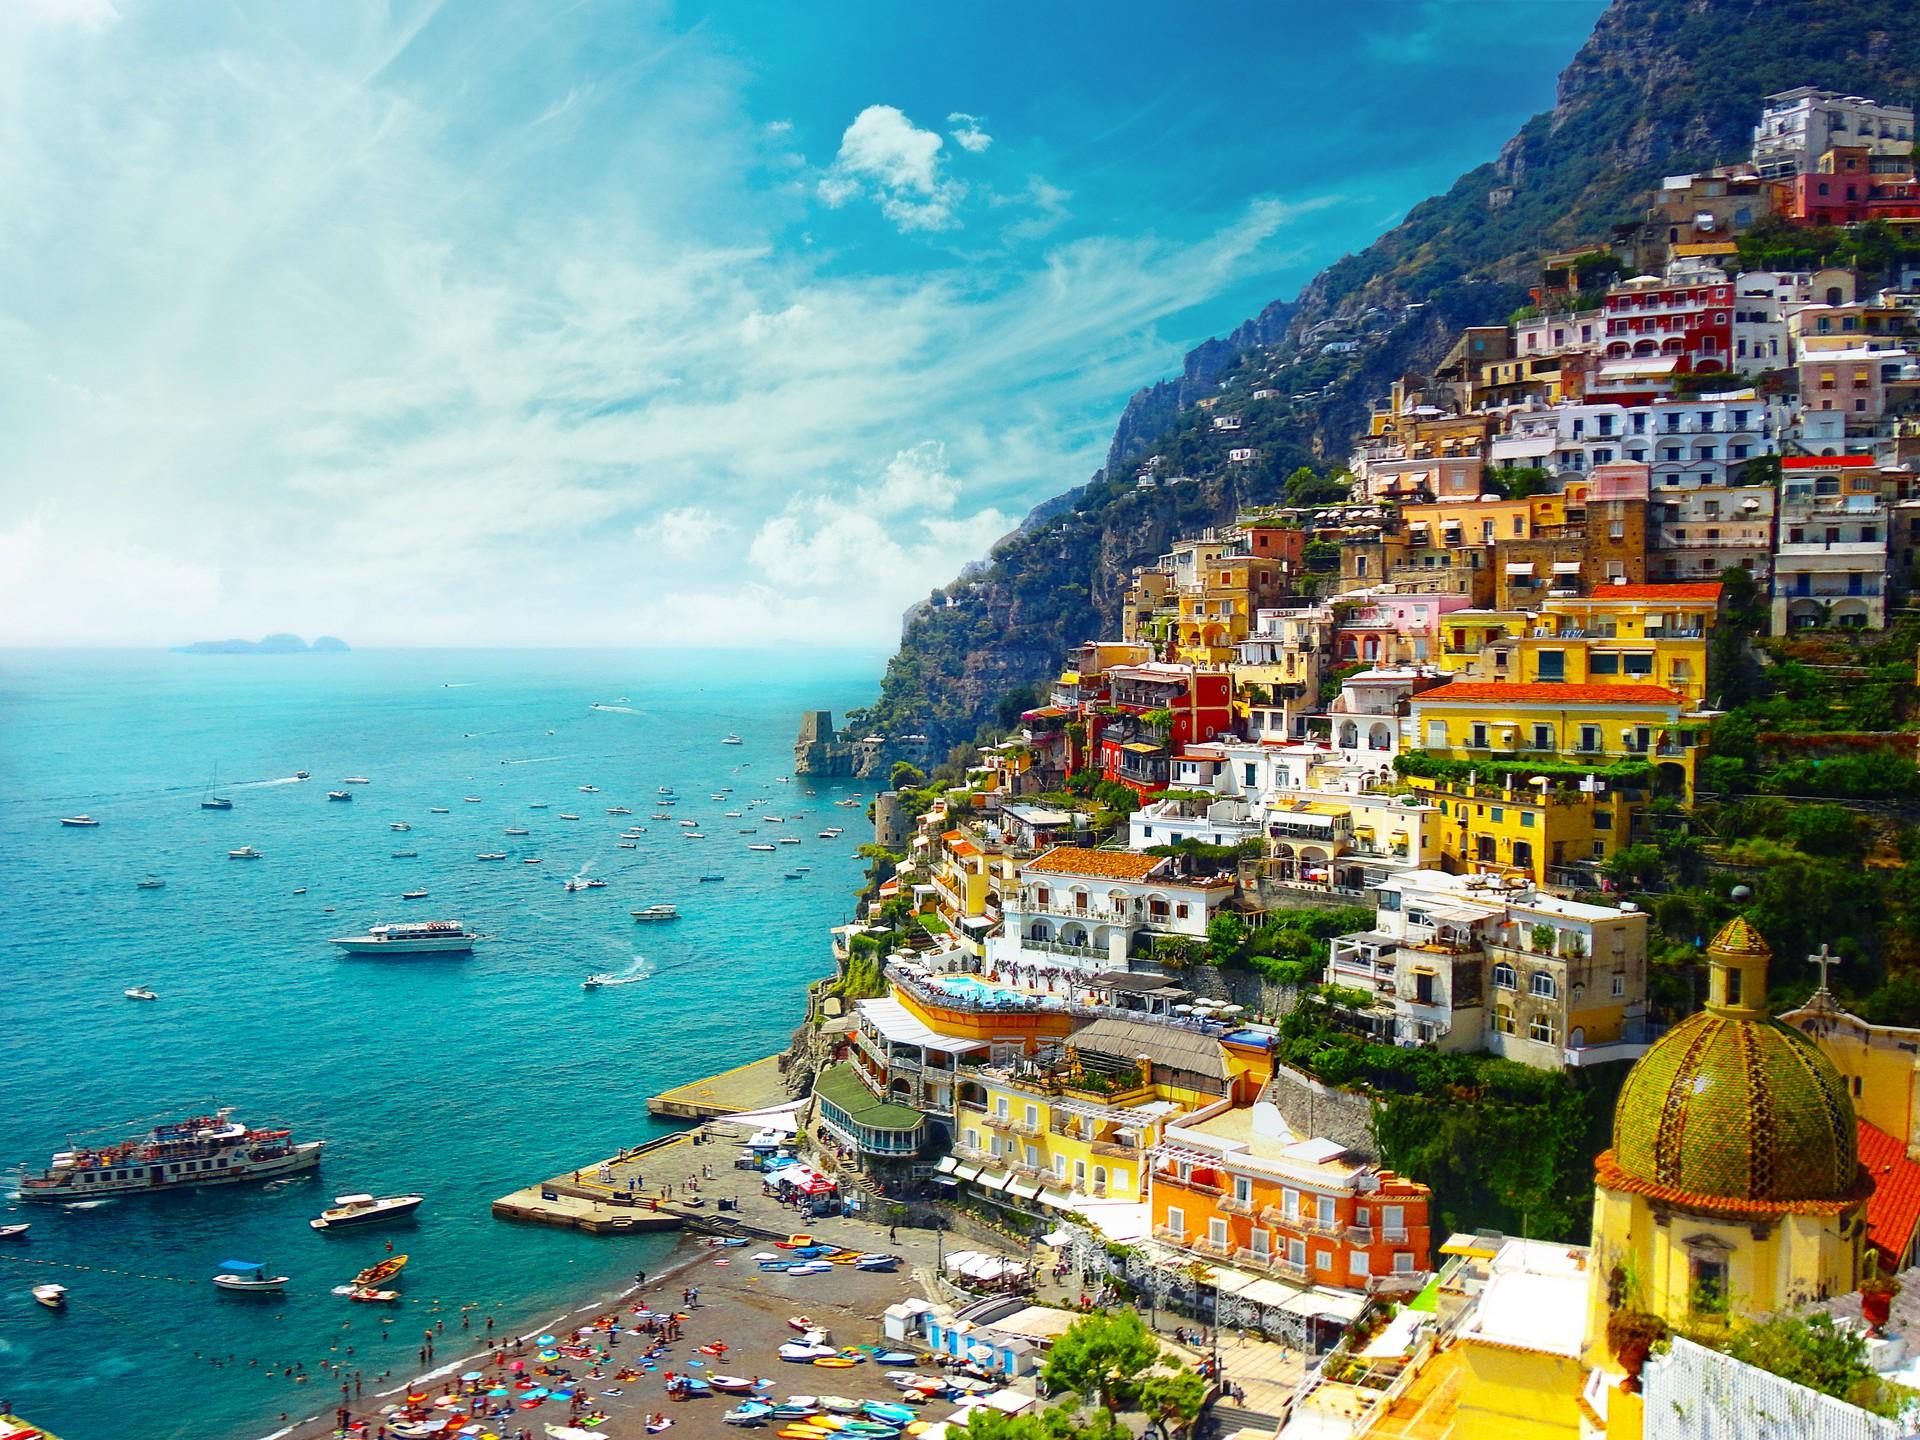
{"x": 947, "y": 1165}
{"x": 1520, "y": 567}
{"x": 945, "y": 1180}
{"x": 1327, "y": 1304}
{"x": 1022, "y": 1189}
{"x": 991, "y": 1179}
{"x": 1054, "y": 1200}
{"x": 967, "y": 1172}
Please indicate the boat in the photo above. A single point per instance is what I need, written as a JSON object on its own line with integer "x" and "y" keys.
{"x": 399, "y": 825}
{"x": 469, "y": 799}
{"x": 79, "y": 822}
{"x": 565, "y": 816}
{"x": 689, "y": 824}
{"x": 656, "y": 912}
{"x": 301, "y": 890}
{"x": 355, "y": 780}
{"x": 753, "y": 1412}
{"x": 732, "y": 740}
{"x": 709, "y": 879}
{"x": 301, "y": 775}
{"x": 15, "y": 1232}
{"x": 424, "y": 937}
{"x": 491, "y": 855}
{"x": 601, "y": 981}
{"x": 54, "y": 1297}
{"x": 626, "y": 845}
{"x": 339, "y": 795}
{"x": 413, "y": 895}
{"x": 800, "y": 1323}
{"x": 877, "y": 1262}
{"x": 793, "y": 875}
{"x": 734, "y": 815}
{"x": 589, "y": 789}
{"x": 361, "y": 1292}
{"x": 666, "y": 790}
{"x": 350, "y": 1210}
{"x": 245, "y": 852}
{"x": 619, "y": 810}
{"x": 578, "y": 883}
{"x": 150, "y": 882}
{"x": 531, "y": 860}
{"x": 406, "y": 855}
{"x": 517, "y": 830}
{"x": 539, "y": 805}
{"x": 438, "y": 810}
{"x": 730, "y": 1384}
{"x": 659, "y": 816}
{"x": 789, "y": 839}
{"x": 692, "y": 835}
{"x": 799, "y": 1352}
{"x": 376, "y": 1275}
{"x": 248, "y": 1277}
{"x": 839, "y": 1405}
{"x": 139, "y": 992}
{"x": 200, "y": 1150}
{"x": 212, "y": 799}
{"x": 767, "y": 848}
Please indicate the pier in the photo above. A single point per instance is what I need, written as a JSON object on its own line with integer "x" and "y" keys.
{"x": 637, "y": 1192}
{"x": 756, "y": 1085}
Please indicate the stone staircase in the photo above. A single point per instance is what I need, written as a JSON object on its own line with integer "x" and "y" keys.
{"x": 1219, "y": 1421}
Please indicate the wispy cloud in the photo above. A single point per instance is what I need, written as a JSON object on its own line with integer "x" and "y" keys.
{"x": 424, "y": 328}
{"x": 968, "y": 133}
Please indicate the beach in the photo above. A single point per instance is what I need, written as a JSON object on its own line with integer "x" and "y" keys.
{"x": 736, "y": 1304}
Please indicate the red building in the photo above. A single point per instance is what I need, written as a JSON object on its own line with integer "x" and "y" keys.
{"x": 1846, "y": 190}
{"x": 1690, "y": 324}
{"x": 1197, "y": 704}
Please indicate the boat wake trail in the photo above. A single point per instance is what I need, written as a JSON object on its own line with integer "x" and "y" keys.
{"x": 537, "y": 760}
{"x": 89, "y": 1204}
{"x": 618, "y": 709}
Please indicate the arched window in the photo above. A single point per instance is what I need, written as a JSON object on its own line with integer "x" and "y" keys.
{"x": 1504, "y": 977}
{"x": 1543, "y": 986}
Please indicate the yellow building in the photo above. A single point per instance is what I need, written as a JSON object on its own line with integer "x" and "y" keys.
{"x": 1450, "y": 524}
{"x": 1465, "y": 636}
{"x": 1513, "y": 828}
{"x": 1879, "y": 1064}
{"x": 1733, "y": 1187}
{"x": 1520, "y": 1350}
{"x": 1504, "y": 722}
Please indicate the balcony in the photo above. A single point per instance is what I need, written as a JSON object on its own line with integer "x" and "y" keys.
{"x": 1205, "y": 1245}
{"x": 1293, "y": 1270}
{"x": 1233, "y": 1205}
{"x": 1251, "y": 1256}
{"x": 1063, "y": 947}
{"x": 1170, "y": 1234}
{"x": 1187, "y": 1182}
{"x": 999, "y": 1122}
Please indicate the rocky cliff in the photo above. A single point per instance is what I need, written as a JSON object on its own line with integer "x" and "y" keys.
{"x": 1661, "y": 86}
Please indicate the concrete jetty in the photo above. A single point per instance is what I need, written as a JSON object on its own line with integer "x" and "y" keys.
{"x": 756, "y": 1085}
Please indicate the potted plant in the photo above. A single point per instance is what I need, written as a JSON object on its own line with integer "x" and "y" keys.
{"x": 1631, "y": 1336}
{"x": 1877, "y": 1289}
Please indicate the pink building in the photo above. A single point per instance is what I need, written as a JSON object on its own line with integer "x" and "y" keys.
{"x": 1395, "y": 629}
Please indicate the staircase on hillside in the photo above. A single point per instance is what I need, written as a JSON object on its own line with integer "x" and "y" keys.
{"x": 1218, "y": 1421}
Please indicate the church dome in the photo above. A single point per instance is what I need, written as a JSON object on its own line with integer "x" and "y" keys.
{"x": 1730, "y": 1105}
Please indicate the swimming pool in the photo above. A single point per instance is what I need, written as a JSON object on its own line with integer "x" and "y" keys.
{"x": 985, "y": 992}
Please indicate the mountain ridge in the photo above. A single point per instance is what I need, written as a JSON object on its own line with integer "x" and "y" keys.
{"x": 1659, "y": 87}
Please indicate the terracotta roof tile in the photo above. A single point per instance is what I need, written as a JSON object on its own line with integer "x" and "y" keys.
{"x": 1680, "y": 590}
{"x": 1893, "y": 1211}
{"x": 1099, "y": 864}
{"x": 1517, "y": 693}
{"x": 1607, "y": 1172}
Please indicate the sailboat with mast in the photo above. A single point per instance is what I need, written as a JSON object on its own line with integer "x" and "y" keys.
{"x": 213, "y": 799}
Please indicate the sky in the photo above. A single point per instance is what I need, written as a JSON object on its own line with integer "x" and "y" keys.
{"x": 526, "y": 322}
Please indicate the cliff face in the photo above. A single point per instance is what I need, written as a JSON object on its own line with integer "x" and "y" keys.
{"x": 1661, "y": 86}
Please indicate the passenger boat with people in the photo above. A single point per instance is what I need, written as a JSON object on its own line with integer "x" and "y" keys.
{"x": 424, "y": 937}
{"x": 248, "y": 1277}
{"x": 202, "y": 1150}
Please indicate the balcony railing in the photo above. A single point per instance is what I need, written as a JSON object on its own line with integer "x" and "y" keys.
{"x": 1204, "y": 1245}
{"x": 1170, "y": 1234}
{"x": 1234, "y": 1205}
{"x": 1262, "y": 1258}
{"x": 1292, "y": 1270}
{"x": 1187, "y": 1182}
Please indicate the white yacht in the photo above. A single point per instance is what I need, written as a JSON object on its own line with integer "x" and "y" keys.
{"x": 245, "y": 852}
{"x": 365, "y": 1210}
{"x": 139, "y": 992}
{"x": 657, "y": 912}
{"x": 424, "y": 937}
{"x": 79, "y": 822}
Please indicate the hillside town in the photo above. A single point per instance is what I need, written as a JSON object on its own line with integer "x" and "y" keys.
{"x": 1367, "y": 798}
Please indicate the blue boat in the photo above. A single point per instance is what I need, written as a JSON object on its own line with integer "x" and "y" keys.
{"x": 891, "y": 1414}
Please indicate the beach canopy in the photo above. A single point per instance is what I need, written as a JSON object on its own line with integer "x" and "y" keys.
{"x": 241, "y": 1265}
{"x": 473, "y": 1375}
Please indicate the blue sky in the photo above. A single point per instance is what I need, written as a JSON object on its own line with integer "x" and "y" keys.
{"x": 591, "y": 323}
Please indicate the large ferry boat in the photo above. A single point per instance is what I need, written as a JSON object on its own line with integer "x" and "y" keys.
{"x": 425, "y": 937}
{"x": 211, "y": 1149}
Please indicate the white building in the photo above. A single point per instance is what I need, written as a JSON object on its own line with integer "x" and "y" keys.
{"x": 1704, "y": 441}
{"x": 1092, "y": 911}
{"x": 1698, "y": 532}
{"x": 1799, "y": 125}
{"x": 1830, "y": 561}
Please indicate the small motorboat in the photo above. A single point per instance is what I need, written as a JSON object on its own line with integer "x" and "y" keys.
{"x": 789, "y": 839}
{"x": 531, "y": 860}
{"x": 248, "y": 1277}
{"x": 732, "y": 740}
{"x": 730, "y": 1384}
{"x": 565, "y": 816}
{"x": 301, "y": 890}
{"x": 355, "y": 780}
{"x": 139, "y": 992}
{"x": 150, "y": 882}
{"x": 890, "y": 1414}
{"x": 627, "y": 845}
{"x": 406, "y": 854}
{"x": 839, "y": 1405}
{"x": 245, "y": 852}
{"x": 79, "y": 822}
{"x": 14, "y": 1232}
{"x": 438, "y": 810}
{"x": 798, "y": 1352}
{"x": 619, "y": 810}
{"x": 301, "y": 775}
{"x": 753, "y": 1412}
{"x": 600, "y": 982}
{"x": 376, "y": 1275}
{"x": 53, "y": 1296}
{"x": 339, "y": 795}
{"x": 469, "y": 799}
{"x": 767, "y": 848}
{"x": 711, "y": 879}
{"x": 491, "y": 855}
{"x": 413, "y": 894}
{"x": 877, "y": 1262}
{"x": 518, "y": 830}
{"x": 365, "y": 1209}
{"x": 589, "y": 789}
{"x": 399, "y": 825}
{"x": 540, "y": 805}
{"x": 894, "y": 1357}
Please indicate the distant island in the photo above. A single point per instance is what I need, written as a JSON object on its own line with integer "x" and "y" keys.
{"x": 267, "y": 645}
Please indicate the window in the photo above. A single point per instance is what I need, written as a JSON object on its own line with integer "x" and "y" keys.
{"x": 1176, "y": 1220}
{"x": 1505, "y": 977}
{"x": 1589, "y": 737}
{"x": 1553, "y": 665}
{"x": 1619, "y": 986}
{"x": 1323, "y": 1259}
{"x": 1358, "y": 1263}
{"x": 1478, "y": 740}
{"x": 1242, "y": 1189}
{"x": 1637, "y": 664}
{"x": 1261, "y": 1244}
{"x": 1542, "y": 1029}
{"x": 1503, "y": 1019}
{"x": 1543, "y": 986}
{"x": 1032, "y": 1116}
{"x": 1603, "y": 663}
{"x": 1543, "y": 737}
{"x": 1436, "y": 734}
{"x": 1403, "y": 1262}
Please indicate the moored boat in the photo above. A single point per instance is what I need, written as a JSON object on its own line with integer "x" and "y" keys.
{"x": 415, "y": 895}
{"x": 248, "y": 1277}
{"x": 15, "y": 1232}
{"x": 376, "y": 1275}
{"x": 245, "y": 852}
{"x": 339, "y": 795}
{"x": 656, "y": 912}
{"x": 79, "y": 822}
{"x": 348, "y": 1210}
{"x": 150, "y": 882}
{"x": 54, "y": 1297}
{"x": 139, "y": 992}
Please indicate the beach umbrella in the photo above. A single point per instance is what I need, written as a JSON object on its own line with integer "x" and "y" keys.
{"x": 499, "y": 1392}
{"x": 544, "y": 1340}
{"x": 473, "y": 1375}
{"x": 517, "y": 1366}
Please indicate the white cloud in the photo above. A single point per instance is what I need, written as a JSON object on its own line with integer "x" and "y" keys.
{"x": 967, "y": 133}
{"x": 297, "y": 349}
{"x": 885, "y": 157}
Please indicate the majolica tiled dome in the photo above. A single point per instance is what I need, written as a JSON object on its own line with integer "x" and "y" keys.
{"x": 1734, "y": 1108}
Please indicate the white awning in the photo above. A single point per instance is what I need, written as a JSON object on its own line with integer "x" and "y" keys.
{"x": 967, "y": 1172}
{"x": 1024, "y": 1190}
{"x": 991, "y": 1179}
{"x": 1520, "y": 567}
{"x": 947, "y": 1165}
{"x": 1053, "y": 1199}
{"x": 1566, "y": 567}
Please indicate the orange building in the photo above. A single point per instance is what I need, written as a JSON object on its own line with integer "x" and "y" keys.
{"x": 1238, "y": 1185}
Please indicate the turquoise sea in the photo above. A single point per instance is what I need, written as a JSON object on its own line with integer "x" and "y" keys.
{"x": 459, "y": 1078}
